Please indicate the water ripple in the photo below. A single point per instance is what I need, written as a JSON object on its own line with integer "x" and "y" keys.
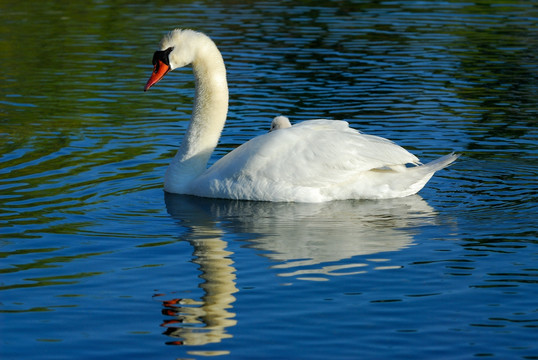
{"x": 85, "y": 230}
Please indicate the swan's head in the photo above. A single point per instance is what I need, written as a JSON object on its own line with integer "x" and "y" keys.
{"x": 178, "y": 48}
{"x": 280, "y": 122}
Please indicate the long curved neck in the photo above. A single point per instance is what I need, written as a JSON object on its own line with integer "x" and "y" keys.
{"x": 207, "y": 120}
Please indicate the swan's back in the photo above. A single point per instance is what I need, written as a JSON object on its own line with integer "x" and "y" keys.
{"x": 313, "y": 161}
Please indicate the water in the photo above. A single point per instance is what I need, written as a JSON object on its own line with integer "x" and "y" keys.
{"x": 97, "y": 262}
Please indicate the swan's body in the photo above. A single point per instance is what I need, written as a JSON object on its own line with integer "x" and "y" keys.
{"x": 312, "y": 161}
{"x": 280, "y": 122}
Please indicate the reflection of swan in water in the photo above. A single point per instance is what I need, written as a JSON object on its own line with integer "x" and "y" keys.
{"x": 205, "y": 321}
{"x": 307, "y": 239}
{"x": 316, "y": 236}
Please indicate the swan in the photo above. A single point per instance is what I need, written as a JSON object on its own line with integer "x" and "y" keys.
{"x": 280, "y": 122}
{"x": 312, "y": 161}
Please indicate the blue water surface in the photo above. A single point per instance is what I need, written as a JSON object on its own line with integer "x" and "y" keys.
{"x": 98, "y": 262}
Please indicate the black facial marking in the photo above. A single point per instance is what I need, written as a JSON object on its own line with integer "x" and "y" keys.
{"x": 162, "y": 55}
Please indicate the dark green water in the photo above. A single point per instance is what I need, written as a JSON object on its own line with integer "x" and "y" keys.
{"x": 96, "y": 262}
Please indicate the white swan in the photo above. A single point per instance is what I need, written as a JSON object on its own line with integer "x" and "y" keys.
{"x": 312, "y": 161}
{"x": 280, "y": 122}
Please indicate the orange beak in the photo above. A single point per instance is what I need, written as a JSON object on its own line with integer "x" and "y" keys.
{"x": 159, "y": 70}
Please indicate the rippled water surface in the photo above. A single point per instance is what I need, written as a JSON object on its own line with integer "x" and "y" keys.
{"x": 97, "y": 262}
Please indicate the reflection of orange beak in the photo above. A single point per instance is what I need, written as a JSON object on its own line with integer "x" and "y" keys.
{"x": 159, "y": 70}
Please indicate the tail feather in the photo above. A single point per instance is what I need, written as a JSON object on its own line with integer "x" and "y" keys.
{"x": 423, "y": 173}
{"x": 400, "y": 182}
{"x": 440, "y": 163}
